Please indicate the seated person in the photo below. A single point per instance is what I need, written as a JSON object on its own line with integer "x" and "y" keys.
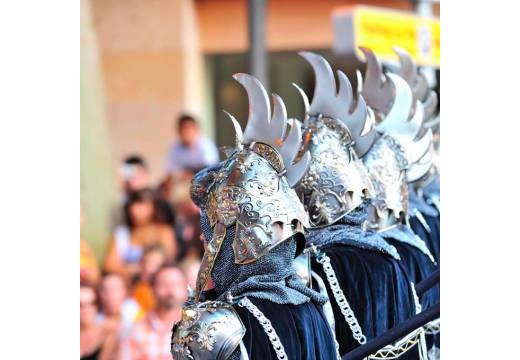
{"x": 153, "y": 259}
{"x": 91, "y": 333}
{"x": 142, "y": 229}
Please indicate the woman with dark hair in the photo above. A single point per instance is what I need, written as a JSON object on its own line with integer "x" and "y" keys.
{"x": 92, "y": 334}
{"x": 143, "y": 228}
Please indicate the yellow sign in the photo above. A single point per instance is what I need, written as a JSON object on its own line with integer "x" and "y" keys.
{"x": 382, "y": 29}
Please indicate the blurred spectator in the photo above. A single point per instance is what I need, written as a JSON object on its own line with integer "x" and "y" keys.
{"x": 142, "y": 229}
{"x": 136, "y": 177}
{"x": 118, "y": 312}
{"x": 92, "y": 334}
{"x": 190, "y": 267}
{"x": 149, "y": 339}
{"x": 88, "y": 265}
{"x": 191, "y": 152}
{"x": 153, "y": 259}
{"x": 135, "y": 174}
{"x": 188, "y": 154}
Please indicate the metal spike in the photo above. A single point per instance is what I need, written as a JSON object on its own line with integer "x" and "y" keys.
{"x": 417, "y": 170}
{"x": 257, "y": 128}
{"x": 421, "y": 88}
{"x": 345, "y": 89}
{"x": 279, "y": 120}
{"x": 289, "y": 151}
{"x": 412, "y": 127}
{"x": 401, "y": 106}
{"x": 290, "y": 146}
{"x": 415, "y": 149}
{"x": 368, "y": 134}
{"x": 408, "y": 69}
{"x": 359, "y": 79}
{"x": 325, "y": 88}
{"x": 430, "y": 105}
{"x": 304, "y": 98}
{"x": 377, "y": 92}
{"x": 238, "y": 130}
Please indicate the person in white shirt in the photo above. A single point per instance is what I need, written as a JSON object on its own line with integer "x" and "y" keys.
{"x": 191, "y": 152}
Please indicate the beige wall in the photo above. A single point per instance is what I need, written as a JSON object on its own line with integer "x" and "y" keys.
{"x": 152, "y": 71}
{"x": 291, "y": 24}
{"x": 98, "y": 188}
{"x": 152, "y": 58}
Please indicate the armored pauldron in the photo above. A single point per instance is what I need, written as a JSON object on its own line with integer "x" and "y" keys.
{"x": 336, "y": 181}
{"x": 208, "y": 330}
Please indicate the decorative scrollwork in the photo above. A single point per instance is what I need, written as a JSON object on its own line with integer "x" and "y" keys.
{"x": 336, "y": 181}
{"x": 207, "y": 330}
{"x": 386, "y": 166}
{"x": 249, "y": 191}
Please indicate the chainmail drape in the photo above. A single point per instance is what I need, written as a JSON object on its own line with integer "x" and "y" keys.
{"x": 349, "y": 231}
{"x": 271, "y": 277}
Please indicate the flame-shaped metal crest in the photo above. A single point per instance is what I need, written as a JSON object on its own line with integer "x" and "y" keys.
{"x": 264, "y": 128}
{"x": 340, "y": 105}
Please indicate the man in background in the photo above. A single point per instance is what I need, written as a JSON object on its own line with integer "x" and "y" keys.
{"x": 149, "y": 338}
{"x": 191, "y": 152}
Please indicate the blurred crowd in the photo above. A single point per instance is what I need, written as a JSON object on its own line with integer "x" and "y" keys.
{"x": 130, "y": 300}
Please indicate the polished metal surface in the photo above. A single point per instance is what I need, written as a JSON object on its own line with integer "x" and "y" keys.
{"x": 400, "y": 155}
{"x": 252, "y": 190}
{"x": 207, "y": 331}
{"x": 335, "y": 133}
{"x": 386, "y": 164}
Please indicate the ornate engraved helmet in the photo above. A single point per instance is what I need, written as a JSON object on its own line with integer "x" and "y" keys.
{"x": 337, "y": 129}
{"x": 252, "y": 190}
{"x": 399, "y": 154}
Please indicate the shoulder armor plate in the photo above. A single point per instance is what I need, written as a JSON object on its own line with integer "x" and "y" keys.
{"x": 208, "y": 330}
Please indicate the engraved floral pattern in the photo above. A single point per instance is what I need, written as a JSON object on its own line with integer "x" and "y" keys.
{"x": 336, "y": 181}
{"x": 385, "y": 163}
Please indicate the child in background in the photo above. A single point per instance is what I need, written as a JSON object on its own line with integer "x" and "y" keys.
{"x": 154, "y": 257}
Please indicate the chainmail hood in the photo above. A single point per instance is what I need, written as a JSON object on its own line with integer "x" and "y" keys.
{"x": 349, "y": 231}
{"x": 405, "y": 235}
{"x": 270, "y": 277}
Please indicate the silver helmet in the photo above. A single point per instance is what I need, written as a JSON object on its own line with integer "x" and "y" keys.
{"x": 399, "y": 155}
{"x": 337, "y": 129}
{"x": 253, "y": 188}
{"x": 417, "y": 81}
